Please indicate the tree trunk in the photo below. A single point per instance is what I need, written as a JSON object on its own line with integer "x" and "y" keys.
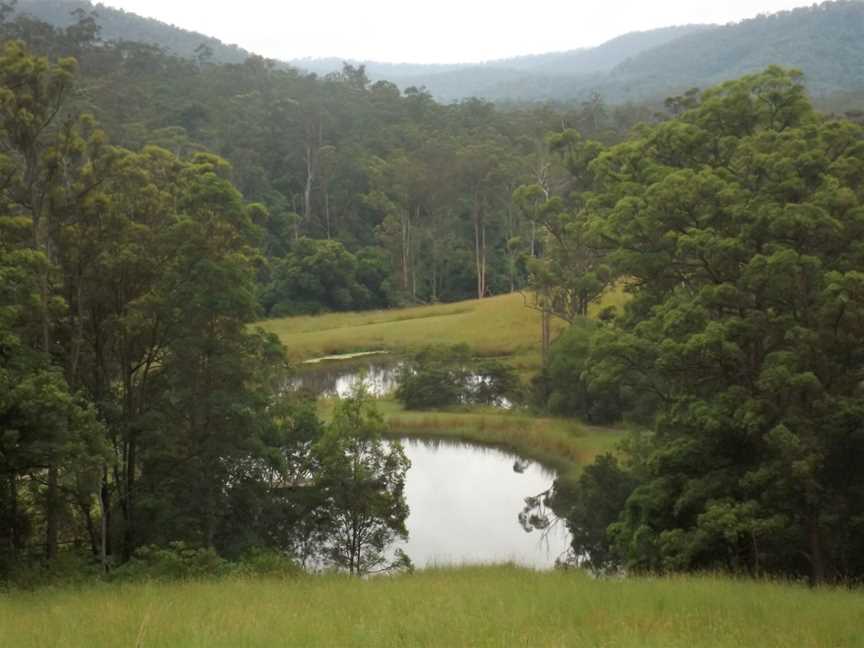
{"x": 546, "y": 333}
{"x": 129, "y": 501}
{"x": 52, "y": 514}
{"x": 14, "y": 538}
{"x": 406, "y": 249}
{"x": 105, "y": 506}
{"x": 310, "y": 179}
{"x": 327, "y": 212}
{"x": 817, "y": 556}
{"x": 479, "y": 250}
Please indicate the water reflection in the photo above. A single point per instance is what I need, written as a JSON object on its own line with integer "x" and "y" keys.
{"x": 465, "y": 502}
{"x": 339, "y": 379}
{"x": 380, "y": 376}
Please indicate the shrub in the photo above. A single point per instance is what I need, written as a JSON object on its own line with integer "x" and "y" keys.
{"x": 443, "y": 376}
{"x": 177, "y": 561}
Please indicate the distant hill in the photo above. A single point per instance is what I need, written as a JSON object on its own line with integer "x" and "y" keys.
{"x": 825, "y": 41}
{"x": 533, "y": 77}
{"x": 117, "y": 24}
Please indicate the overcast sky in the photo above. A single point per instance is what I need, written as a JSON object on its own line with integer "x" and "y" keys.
{"x": 436, "y": 31}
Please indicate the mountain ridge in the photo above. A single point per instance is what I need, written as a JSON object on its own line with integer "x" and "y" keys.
{"x": 825, "y": 41}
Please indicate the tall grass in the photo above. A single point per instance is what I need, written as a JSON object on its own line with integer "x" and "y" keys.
{"x": 479, "y": 606}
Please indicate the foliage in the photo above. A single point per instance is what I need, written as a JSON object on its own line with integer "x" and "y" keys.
{"x": 593, "y": 504}
{"x": 566, "y": 386}
{"x": 177, "y": 561}
{"x": 441, "y": 376}
{"x": 361, "y": 480}
{"x": 737, "y": 226}
{"x": 137, "y": 407}
{"x": 319, "y": 275}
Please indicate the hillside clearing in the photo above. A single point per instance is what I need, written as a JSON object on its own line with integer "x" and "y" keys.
{"x": 498, "y": 326}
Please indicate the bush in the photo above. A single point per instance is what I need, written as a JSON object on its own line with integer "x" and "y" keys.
{"x": 443, "y": 376}
{"x": 177, "y": 561}
{"x": 565, "y": 387}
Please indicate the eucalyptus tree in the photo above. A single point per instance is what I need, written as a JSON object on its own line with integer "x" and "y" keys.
{"x": 737, "y": 226}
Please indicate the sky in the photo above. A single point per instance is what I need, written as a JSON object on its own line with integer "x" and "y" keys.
{"x": 437, "y": 31}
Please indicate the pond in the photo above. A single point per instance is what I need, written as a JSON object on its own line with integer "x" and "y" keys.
{"x": 465, "y": 501}
{"x": 338, "y": 379}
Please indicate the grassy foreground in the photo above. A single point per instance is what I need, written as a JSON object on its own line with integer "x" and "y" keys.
{"x": 478, "y": 606}
{"x": 498, "y": 326}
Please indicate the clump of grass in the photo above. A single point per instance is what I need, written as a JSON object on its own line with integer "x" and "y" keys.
{"x": 478, "y": 606}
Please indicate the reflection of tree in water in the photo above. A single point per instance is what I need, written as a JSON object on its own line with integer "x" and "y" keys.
{"x": 541, "y": 513}
{"x": 521, "y": 465}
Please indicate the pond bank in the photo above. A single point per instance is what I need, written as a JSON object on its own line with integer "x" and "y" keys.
{"x": 561, "y": 444}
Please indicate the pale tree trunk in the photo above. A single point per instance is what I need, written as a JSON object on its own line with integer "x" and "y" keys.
{"x": 310, "y": 179}
{"x": 327, "y": 211}
{"x": 479, "y": 249}
{"x": 406, "y": 249}
{"x": 41, "y": 241}
{"x": 414, "y": 258}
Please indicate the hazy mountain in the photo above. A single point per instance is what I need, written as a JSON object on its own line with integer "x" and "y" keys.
{"x": 825, "y": 41}
{"x": 539, "y": 76}
{"x": 117, "y": 24}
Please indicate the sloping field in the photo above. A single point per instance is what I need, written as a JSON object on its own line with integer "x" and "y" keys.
{"x": 478, "y": 606}
{"x": 497, "y": 326}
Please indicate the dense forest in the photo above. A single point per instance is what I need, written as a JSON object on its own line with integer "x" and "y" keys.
{"x": 403, "y": 199}
{"x": 737, "y": 228}
{"x": 153, "y": 207}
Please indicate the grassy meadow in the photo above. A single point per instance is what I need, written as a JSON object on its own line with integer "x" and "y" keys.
{"x": 498, "y": 326}
{"x": 472, "y": 606}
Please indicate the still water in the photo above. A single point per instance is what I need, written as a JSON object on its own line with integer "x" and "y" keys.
{"x": 380, "y": 376}
{"x": 465, "y": 501}
{"x": 338, "y": 379}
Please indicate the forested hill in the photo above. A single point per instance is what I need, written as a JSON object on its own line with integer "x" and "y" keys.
{"x": 537, "y": 76}
{"x": 825, "y": 41}
{"x": 120, "y": 25}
